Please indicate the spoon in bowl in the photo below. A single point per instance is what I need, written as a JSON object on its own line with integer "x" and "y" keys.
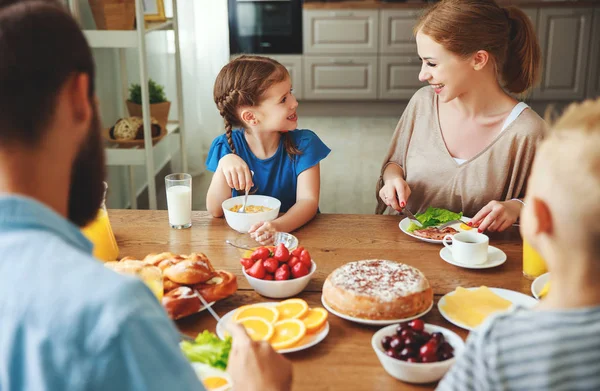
{"x": 243, "y": 208}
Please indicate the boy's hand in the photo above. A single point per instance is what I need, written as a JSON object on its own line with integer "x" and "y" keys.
{"x": 263, "y": 233}
{"x": 395, "y": 193}
{"x": 497, "y": 216}
{"x": 255, "y": 366}
{"x": 236, "y": 172}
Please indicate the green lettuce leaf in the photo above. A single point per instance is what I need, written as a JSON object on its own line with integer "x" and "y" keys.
{"x": 208, "y": 349}
{"x": 432, "y": 217}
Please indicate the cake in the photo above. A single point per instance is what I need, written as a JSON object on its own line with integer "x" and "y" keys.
{"x": 377, "y": 290}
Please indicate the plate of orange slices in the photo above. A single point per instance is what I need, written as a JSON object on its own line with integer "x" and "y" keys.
{"x": 289, "y": 326}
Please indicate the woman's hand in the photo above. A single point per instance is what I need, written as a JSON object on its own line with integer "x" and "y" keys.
{"x": 236, "y": 172}
{"x": 263, "y": 232}
{"x": 497, "y": 216}
{"x": 395, "y": 193}
{"x": 255, "y": 366}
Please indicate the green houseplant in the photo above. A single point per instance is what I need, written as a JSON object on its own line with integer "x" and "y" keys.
{"x": 159, "y": 105}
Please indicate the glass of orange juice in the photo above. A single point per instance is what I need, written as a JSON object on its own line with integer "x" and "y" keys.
{"x": 100, "y": 233}
{"x": 533, "y": 263}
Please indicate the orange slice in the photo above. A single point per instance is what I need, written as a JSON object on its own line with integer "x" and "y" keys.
{"x": 287, "y": 333}
{"x": 314, "y": 319}
{"x": 258, "y": 329}
{"x": 465, "y": 227}
{"x": 292, "y": 309}
{"x": 270, "y": 314}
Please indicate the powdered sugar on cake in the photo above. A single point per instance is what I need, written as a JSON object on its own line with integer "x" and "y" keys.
{"x": 384, "y": 280}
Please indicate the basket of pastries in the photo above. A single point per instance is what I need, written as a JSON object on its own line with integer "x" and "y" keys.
{"x": 129, "y": 132}
{"x": 185, "y": 278}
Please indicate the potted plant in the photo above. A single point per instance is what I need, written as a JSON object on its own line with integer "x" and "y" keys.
{"x": 113, "y": 14}
{"x": 159, "y": 105}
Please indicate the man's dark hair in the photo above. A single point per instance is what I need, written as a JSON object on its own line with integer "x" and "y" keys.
{"x": 41, "y": 46}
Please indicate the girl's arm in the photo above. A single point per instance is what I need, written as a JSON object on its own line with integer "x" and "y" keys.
{"x": 218, "y": 191}
{"x": 305, "y": 208}
{"x": 232, "y": 173}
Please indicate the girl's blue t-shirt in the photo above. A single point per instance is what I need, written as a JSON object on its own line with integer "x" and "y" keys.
{"x": 276, "y": 176}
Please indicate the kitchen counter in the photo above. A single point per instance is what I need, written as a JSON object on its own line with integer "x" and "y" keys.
{"x": 415, "y": 4}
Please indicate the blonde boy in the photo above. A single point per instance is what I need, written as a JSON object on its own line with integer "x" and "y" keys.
{"x": 556, "y": 346}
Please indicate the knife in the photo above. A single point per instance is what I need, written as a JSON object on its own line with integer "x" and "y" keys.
{"x": 412, "y": 217}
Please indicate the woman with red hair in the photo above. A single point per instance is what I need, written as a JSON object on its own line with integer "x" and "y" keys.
{"x": 464, "y": 142}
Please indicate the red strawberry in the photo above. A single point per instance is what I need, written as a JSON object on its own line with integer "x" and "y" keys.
{"x": 299, "y": 270}
{"x": 298, "y": 251}
{"x": 246, "y": 263}
{"x": 293, "y": 261}
{"x": 305, "y": 259}
{"x": 261, "y": 253}
{"x": 282, "y": 273}
{"x": 257, "y": 270}
{"x": 271, "y": 264}
{"x": 269, "y": 277}
{"x": 281, "y": 253}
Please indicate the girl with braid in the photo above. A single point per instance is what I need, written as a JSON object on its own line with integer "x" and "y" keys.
{"x": 254, "y": 97}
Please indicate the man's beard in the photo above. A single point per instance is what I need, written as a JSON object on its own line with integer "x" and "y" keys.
{"x": 87, "y": 187}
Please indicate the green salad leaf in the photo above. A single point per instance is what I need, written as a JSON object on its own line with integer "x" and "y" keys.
{"x": 432, "y": 217}
{"x": 208, "y": 349}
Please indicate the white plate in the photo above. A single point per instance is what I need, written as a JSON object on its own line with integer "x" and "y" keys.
{"x": 371, "y": 322}
{"x": 538, "y": 284}
{"x": 496, "y": 257}
{"x": 308, "y": 341}
{"x": 405, "y": 223}
{"x": 516, "y": 298}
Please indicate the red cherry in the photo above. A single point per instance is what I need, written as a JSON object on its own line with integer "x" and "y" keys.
{"x": 429, "y": 358}
{"x": 429, "y": 348}
{"x": 417, "y": 325}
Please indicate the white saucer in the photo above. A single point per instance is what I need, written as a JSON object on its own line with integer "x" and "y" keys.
{"x": 371, "y": 322}
{"x": 496, "y": 257}
{"x": 538, "y": 284}
{"x": 517, "y": 298}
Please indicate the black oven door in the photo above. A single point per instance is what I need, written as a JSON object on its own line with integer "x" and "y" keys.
{"x": 265, "y": 26}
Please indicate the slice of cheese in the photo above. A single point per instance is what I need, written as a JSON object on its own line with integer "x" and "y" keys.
{"x": 472, "y": 307}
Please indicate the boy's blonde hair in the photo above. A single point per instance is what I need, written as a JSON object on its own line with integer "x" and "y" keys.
{"x": 569, "y": 167}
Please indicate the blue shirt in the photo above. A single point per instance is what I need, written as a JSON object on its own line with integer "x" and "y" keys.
{"x": 69, "y": 323}
{"x": 276, "y": 176}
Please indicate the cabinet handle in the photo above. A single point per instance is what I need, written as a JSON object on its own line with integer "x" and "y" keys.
{"x": 342, "y": 14}
{"x": 342, "y": 62}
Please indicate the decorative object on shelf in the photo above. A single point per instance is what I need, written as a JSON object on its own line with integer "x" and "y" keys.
{"x": 159, "y": 105}
{"x": 129, "y": 132}
{"x": 154, "y": 11}
{"x": 113, "y": 14}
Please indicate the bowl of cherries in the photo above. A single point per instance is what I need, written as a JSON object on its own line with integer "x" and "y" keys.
{"x": 416, "y": 352}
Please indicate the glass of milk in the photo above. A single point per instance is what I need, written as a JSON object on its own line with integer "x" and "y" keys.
{"x": 179, "y": 200}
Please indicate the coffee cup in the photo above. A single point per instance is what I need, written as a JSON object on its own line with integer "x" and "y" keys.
{"x": 470, "y": 248}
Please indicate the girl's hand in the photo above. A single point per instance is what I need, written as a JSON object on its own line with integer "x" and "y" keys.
{"x": 497, "y": 216}
{"x": 236, "y": 172}
{"x": 395, "y": 193}
{"x": 263, "y": 233}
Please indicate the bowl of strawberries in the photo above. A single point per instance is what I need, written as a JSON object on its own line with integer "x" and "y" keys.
{"x": 278, "y": 272}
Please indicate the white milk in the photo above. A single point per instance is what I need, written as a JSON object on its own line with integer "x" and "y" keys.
{"x": 179, "y": 203}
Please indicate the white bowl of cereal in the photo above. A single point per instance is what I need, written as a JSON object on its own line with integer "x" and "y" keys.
{"x": 258, "y": 208}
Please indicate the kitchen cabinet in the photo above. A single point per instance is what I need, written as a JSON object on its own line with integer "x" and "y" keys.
{"x": 396, "y": 32}
{"x": 293, "y": 63}
{"x": 340, "y": 77}
{"x": 593, "y": 81}
{"x": 399, "y": 77}
{"x": 340, "y": 31}
{"x": 564, "y": 35}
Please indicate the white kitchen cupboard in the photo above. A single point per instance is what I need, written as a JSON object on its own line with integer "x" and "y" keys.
{"x": 333, "y": 32}
{"x": 399, "y": 77}
{"x": 593, "y": 80}
{"x": 340, "y": 77}
{"x": 564, "y": 35}
{"x": 293, "y": 63}
{"x": 396, "y": 32}
{"x": 136, "y": 39}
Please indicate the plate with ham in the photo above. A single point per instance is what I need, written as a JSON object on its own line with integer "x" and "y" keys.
{"x": 434, "y": 234}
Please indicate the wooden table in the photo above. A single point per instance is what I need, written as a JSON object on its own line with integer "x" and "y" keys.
{"x": 345, "y": 359}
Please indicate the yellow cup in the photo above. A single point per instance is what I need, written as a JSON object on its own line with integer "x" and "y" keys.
{"x": 533, "y": 263}
{"x": 100, "y": 233}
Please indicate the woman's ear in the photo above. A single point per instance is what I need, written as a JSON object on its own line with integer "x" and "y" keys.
{"x": 248, "y": 117}
{"x": 480, "y": 60}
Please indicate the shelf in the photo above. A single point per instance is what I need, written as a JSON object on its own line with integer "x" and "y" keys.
{"x": 122, "y": 38}
{"x": 116, "y": 156}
